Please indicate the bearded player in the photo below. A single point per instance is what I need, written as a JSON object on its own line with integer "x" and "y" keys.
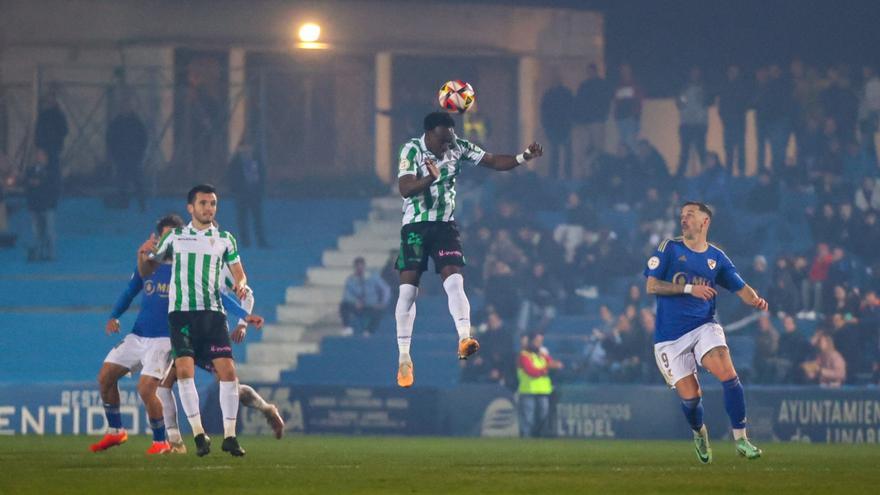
{"x": 429, "y": 166}
{"x": 683, "y": 273}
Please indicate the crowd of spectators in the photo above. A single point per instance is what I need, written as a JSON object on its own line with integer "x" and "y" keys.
{"x": 805, "y": 224}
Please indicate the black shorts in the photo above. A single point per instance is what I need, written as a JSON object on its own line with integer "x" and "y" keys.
{"x": 438, "y": 240}
{"x": 201, "y": 335}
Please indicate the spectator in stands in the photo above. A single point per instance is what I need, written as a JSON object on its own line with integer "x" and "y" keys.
{"x": 869, "y": 112}
{"x": 793, "y": 350}
{"x": 538, "y": 245}
{"x": 811, "y": 291}
{"x": 866, "y": 242}
{"x": 247, "y": 178}
{"x": 364, "y": 299}
{"x": 843, "y": 302}
{"x": 809, "y": 151}
{"x": 495, "y": 362}
{"x": 774, "y": 113}
{"x": 828, "y": 368}
{"x": 543, "y": 294}
{"x": 841, "y": 103}
{"x": 650, "y": 167}
{"x": 50, "y": 132}
{"x": 693, "y": 114}
{"x": 556, "y": 119}
{"x": 733, "y": 100}
{"x": 764, "y": 196}
{"x": 847, "y": 225}
{"x": 823, "y": 225}
{"x": 624, "y": 347}
{"x": 627, "y": 107}
{"x": 712, "y": 183}
{"x": 841, "y": 269}
{"x": 503, "y": 289}
{"x": 535, "y": 386}
{"x": 634, "y": 298}
{"x": 869, "y": 321}
{"x": 759, "y": 274}
{"x": 766, "y": 350}
{"x": 592, "y": 104}
{"x": 42, "y": 190}
{"x": 762, "y": 105}
{"x": 126, "y": 145}
{"x": 645, "y": 325}
{"x": 868, "y": 195}
{"x": 784, "y": 291}
{"x": 850, "y": 342}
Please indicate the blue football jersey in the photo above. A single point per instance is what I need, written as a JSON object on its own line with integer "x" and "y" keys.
{"x": 152, "y": 319}
{"x": 674, "y": 262}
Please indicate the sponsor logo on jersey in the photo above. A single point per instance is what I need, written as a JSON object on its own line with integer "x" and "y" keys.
{"x": 682, "y": 258}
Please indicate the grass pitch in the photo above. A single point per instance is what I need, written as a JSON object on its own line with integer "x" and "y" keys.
{"x": 330, "y": 465}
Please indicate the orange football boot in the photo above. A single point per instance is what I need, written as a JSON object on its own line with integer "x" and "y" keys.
{"x": 159, "y": 448}
{"x": 110, "y": 440}
{"x": 405, "y": 374}
{"x": 467, "y": 347}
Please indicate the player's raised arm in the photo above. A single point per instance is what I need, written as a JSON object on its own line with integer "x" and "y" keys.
{"x": 751, "y": 298}
{"x": 409, "y": 185}
{"x": 146, "y": 261}
{"x": 508, "y": 162}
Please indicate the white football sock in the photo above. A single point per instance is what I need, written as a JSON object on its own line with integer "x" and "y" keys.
{"x": 405, "y": 314}
{"x": 189, "y": 398}
{"x": 250, "y": 398}
{"x": 229, "y": 406}
{"x": 169, "y": 413}
{"x": 459, "y": 307}
{"x": 739, "y": 433}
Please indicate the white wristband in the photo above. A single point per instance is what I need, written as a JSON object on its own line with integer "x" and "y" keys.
{"x": 688, "y": 288}
{"x": 521, "y": 158}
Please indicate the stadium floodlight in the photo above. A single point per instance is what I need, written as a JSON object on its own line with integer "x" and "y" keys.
{"x": 309, "y": 34}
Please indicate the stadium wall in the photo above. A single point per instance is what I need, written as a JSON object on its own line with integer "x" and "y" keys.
{"x": 800, "y": 414}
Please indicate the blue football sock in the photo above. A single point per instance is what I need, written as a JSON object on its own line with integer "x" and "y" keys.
{"x": 735, "y": 403}
{"x": 114, "y": 418}
{"x": 693, "y": 411}
{"x": 158, "y": 427}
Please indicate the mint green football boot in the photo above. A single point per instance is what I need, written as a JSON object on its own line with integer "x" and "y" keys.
{"x": 745, "y": 449}
{"x": 701, "y": 445}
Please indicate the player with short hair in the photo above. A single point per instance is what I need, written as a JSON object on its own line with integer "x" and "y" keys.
{"x": 196, "y": 316}
{"x": 242, "y": 310}
{"x": 683, "y": 274}
{"x": 428, "y": 168}
{"x": 146, "y": 349}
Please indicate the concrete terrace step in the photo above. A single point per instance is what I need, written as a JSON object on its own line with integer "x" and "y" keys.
{"x": 259, "y": 372}
{"x": 283, "y": 333}
{"x": 298, "y": 314}
{"x": 361, "y": 243}
{"x": 309, "y": 294}
{"x": 386, "y": 203}
{"x": 378, "y": 227}
{"x": 278, "y": 353}
{"x": 343, "y": 259}
{"x": 334, "y": 277}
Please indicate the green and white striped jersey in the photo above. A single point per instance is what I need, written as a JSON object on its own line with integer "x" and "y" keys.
{"x": 437, "y": 203}
{"x": 198, "y": 258}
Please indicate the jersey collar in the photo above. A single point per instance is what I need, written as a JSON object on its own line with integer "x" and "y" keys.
{"x": 192, "y": 227}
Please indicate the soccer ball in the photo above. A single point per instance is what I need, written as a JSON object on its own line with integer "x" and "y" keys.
{"x": 456, "y": 96}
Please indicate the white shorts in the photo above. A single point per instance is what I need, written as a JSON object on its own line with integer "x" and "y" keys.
{"x": 678, "y": 359}
{"x": 149, "y": 355}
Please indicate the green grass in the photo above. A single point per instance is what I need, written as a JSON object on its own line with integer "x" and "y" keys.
{"x": 330, "y": 465}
